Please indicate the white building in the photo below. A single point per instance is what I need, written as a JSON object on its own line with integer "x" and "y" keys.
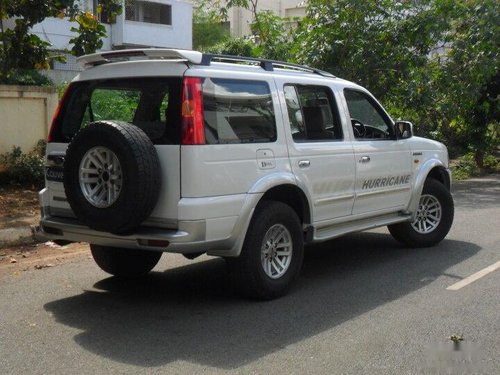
{"x": 240, "y": 18}
{"x": 145, "y": 23}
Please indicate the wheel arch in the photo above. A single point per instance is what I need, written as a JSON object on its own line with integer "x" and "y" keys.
{"x": 435, "y": 169}
{"x": 281, "y": 188}
{"x": 284, "y": 187}
{"x": 294, "y": 197}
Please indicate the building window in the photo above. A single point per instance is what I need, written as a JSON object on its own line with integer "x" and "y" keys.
{"x": 143, "y": 11}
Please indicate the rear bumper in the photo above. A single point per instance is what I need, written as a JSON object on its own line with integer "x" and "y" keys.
{"x": 189, "y": 238}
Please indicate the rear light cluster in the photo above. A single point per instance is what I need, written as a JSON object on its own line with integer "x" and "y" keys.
{"x": 193, "y": 131}
{"x": 50, "y": 138}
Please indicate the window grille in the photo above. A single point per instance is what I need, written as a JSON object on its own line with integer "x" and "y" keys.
{"x": 147, "y": 12}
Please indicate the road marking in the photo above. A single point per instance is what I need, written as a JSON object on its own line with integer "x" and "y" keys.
{"x": 475, "y": 277}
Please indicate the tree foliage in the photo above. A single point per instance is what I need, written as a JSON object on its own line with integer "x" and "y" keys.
{"x": 22, "y": 50}
{"x": 89, "y": 34}
{"x": 435, "y": 62}
{"x": 471, "y": 75}
{"x": 207, "y": 31}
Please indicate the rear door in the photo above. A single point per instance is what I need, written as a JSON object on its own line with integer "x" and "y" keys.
{"x": 321, "y": 155}
{"x": 242, "y": 140}
{"x": 150, "y": 103}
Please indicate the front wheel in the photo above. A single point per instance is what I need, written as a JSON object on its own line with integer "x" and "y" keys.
{"x": 272, "y": 253}
{"x": 433, "y": 218}
{"x": 127, "y": 263}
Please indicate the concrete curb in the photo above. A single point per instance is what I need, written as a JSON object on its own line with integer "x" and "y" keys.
{"x": 16, "y": 236}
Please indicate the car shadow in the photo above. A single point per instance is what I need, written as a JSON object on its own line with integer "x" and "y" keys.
{"x": 190, "y": 313}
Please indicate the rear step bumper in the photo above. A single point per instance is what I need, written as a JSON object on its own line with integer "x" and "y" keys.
{"x": 189, "y": 238}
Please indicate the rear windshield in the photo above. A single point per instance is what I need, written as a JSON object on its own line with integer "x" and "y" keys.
{"x": 152, "y": 104}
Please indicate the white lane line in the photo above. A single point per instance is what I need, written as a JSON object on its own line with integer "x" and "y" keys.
{"x": 475, "y": 277}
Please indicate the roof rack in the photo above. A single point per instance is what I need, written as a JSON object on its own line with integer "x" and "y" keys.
{"x": 193, "y": 57}
{"x": 265, "y": 64}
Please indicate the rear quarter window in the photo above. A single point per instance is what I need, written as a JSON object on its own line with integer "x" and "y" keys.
{"x": 238, "y": 111}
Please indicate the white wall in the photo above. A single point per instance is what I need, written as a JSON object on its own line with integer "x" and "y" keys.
{"x": 26, "y": 114}
{"x": 58, "y": 31}
{"x": 240, "y": 18}
{"x": 178, "y": 35}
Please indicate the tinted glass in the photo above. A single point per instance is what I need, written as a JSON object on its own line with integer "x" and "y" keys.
{"x": 238, "y": 111}
{"x": 363, "y": 109}
{"x": 152, "y": 104}
{"x": 312, "y": 113}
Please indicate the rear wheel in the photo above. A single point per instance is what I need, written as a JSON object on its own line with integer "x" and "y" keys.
{"x": 126, "y": 263}
{"x": 433, "y": 218}
{"x": 272, "y": 253}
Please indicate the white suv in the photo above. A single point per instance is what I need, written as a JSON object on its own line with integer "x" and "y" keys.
{"x": 161, "y": 150}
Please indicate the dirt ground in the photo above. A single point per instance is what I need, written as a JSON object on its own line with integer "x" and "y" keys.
{"x": 19, "y": 208}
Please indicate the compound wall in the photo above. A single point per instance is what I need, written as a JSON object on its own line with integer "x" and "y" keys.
{"x": 25, "y": 115}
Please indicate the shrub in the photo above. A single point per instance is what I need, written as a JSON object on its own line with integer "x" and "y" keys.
{"x": 26, "y": 78}
{"x": 236, "y": 47}
{"x": 25, "y": 169}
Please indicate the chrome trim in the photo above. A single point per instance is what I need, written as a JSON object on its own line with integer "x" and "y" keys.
{"x": 322, "y": 201}
{"x": 381, "y": 192}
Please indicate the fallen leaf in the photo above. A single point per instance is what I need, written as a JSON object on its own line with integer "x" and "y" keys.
{"x": 40, "y": 266}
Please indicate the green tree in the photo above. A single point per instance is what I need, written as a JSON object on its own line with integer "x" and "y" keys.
{"x": 471, "y": 75}
{"x": 89, "y": 34}
{"x": 21, "y": 49}
{"x": 206, "y": 30}
{"x": 377, "y": 43}
{"x": 234, "y": 46}
{"x": 275, "y": 36}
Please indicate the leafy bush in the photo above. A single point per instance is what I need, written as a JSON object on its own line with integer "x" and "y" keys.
{"x": 492, "y": 164}
{"x": 465, "y": 167}
{"x": 26, "y": 78}
{"x": 236, "y": 47}
{"x": 25, "y": 169}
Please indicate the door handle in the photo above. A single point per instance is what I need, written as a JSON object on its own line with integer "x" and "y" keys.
{"x": 364, "y": 159}
{"x": 304, "y": 163}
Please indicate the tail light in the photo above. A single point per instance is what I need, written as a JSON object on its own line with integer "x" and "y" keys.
{"x": 193, "y": 131}
{"x": 53, "y": 126}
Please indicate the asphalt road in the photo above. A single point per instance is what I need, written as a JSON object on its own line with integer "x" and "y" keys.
{"x": 364, "y": 305}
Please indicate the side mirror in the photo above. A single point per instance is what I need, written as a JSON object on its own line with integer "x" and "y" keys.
{"x": 404, "y": 129}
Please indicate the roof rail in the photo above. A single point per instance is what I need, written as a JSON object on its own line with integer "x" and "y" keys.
{"x": 194, "y": 57}
{"x": 265, "y": 64}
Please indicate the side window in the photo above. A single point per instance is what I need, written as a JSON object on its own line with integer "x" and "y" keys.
{"x": 238, "y": 111}
{"x": 313, "y": 114}
{"x": 367, "y": 120}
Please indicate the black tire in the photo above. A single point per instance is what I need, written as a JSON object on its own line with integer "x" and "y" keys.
{"x": 408, "y": 235}
{"x": 140, "y": 176}
{"x": 247, "y": 271}
{"x": 126, "y": 263}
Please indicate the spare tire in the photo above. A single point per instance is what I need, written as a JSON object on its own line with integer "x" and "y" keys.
{"x": 112, "y": 176}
